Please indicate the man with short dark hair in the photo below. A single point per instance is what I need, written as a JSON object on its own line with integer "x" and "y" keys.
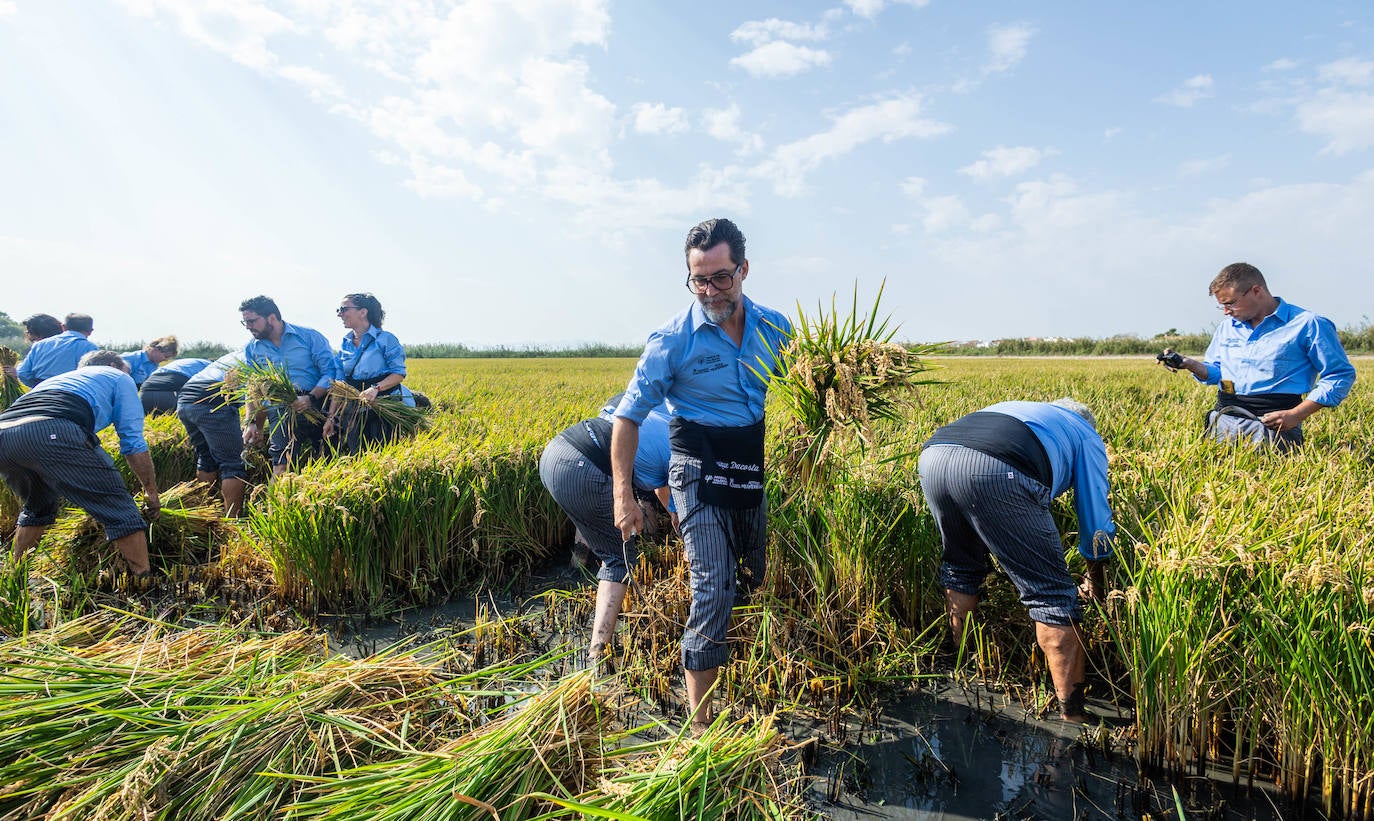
{"x": 309, "y": 362}
{"x": 706, "y": 363}
{"x": 49, "y": 451}
{"x": 1264, "y": 356}
{"x": 989, "y": 478}
{"x": 57, "y": 354}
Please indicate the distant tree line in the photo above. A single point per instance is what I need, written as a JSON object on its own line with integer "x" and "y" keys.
{"x": 1358, "y": 340}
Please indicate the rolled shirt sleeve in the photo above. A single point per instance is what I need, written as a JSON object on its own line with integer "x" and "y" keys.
{"x": 323, "y": 357}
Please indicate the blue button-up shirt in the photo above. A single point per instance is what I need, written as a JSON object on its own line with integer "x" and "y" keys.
{"x": 305, "y": 353}
{"x": 1290, "y": 351}
{"x": 704, "y": 377}
{"x": 141, "y": 366}
{"x": 113, "y": 399}
{"x": 1078, "y": 459}
{"x": 378, "y": 354}
{"x": 56, "y": 354}
{"x": 186, "y": 367}
{"x": 651, "y": 460}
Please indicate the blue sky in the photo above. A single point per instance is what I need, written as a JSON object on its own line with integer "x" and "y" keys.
{"x": 515, "y": 172}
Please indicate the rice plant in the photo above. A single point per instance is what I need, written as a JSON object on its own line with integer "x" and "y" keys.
{"x": 10, "y": 386}
{"x": 403, "y": 419}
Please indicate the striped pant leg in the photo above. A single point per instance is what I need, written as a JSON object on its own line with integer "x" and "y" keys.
{"x": 983, "y": 504}
{"x": 585, "y": 495}
{"x": 722, "y": 547}
{"x": 51, "y": 459}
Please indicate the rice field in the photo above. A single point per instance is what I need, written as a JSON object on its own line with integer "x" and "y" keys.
{"x": 1239, "y": 628}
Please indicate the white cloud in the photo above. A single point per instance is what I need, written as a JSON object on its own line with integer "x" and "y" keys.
{"x": 1194, "y": 168}
{"x": 1282, "y": 64}
{"x": 889, "y": 120}
{"x": 1007, "y": 46}
{"x": 913, "y": 187}
{"x": 483, "y": 99}
{"x": 781, "y": 59}
{"x": 870, "y": 8}
{"x": 1111, "y": 132}
{"x": 1194, "y": 90}
{"x": 723, "y": 124}
{"x": 758, "y": 32}
{"x": 944, "y": 214}
{"x": 1006, "y": 162}
{"x": 1344, "y": 119}
{"x": 1348, "y": 71}
{"x": 657, "y": 118}
{"x": 8, "y": 8}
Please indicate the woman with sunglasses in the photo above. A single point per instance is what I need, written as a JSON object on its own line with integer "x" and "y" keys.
{"x": 374, "y": 362}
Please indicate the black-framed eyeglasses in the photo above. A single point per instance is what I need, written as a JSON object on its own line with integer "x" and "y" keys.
{"x": 1231, "y": 303}
{"x": 343, "y": 309}
{"x": 248, "y": 323}
{"x": 720, "y": 280}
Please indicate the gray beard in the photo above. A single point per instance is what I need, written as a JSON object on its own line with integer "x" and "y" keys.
{"x": 721, "y": 314}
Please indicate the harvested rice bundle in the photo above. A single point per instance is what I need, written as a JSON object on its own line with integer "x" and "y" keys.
{"x": 842, "y": 374}
{"x": 546, "y": 747}
{"x": 10, "y": 386}
{"x": 189, "y": 531}
{"x": 404, "y": 419}
{"x": 731, "y": 771}
{"x": 257, "y": 385}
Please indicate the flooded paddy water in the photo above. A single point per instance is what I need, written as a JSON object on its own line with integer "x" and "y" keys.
{"x": 944, "y": 749}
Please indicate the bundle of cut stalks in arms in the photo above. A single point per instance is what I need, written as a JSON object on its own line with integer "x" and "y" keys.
{"x": 404, "y": 419}
{"x": 260, "y": 385}
{"x": 10, "y": 386}
{"x": 839, "y": 375}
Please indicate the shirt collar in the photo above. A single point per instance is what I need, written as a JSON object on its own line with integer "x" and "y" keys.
{"x": 699, "y": 314}
{"x": 1283, "y": 312}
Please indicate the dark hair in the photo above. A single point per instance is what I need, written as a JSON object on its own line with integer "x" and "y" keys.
{"x": 375, "y": 314}
{"x": 1239, "y": 276}
{"x": 110, "y": 359}
{"x": 711, "y": 233}
{"x": 43, "y": 326}
{"x": 260, "y": 305}
{"x": 81, "y": 323}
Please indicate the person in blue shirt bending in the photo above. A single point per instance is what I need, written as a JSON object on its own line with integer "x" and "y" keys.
{"x": 143, "y": 362}
{"x": 1264, "y": 356}
{"x": 159, "y": 391}
{"x": 989, "y": 478}
{"x": 49, "y": 451}
{"x": 212, "y": 425}
{"x": 575, "y": 467}
{"x": 58, "y": 353}
{"x": 308, "y": 360}
{"x": 706, "y": 363}
{"x": 373, "y": 361}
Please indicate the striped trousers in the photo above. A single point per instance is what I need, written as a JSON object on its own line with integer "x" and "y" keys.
{"x": 726, "y": 555}
{"x": 983, "y": 505}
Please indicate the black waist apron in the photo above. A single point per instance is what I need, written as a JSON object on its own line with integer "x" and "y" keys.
{"x": 1257, "y": 403}
{"x": 592, "y": 439}
{"x": 731, "y": 461}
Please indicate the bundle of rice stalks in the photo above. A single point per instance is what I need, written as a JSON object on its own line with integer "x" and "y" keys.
{"x": 266, "y": 385}
{"x": 10, "y": 386}
{"x": 840, "y": 375}
{"x": 547, "y": 747}
{"x": 218, "y": 723}
{"x": 401, "y": 418}
{"x": 731, "y": 771}
{"x": 188, "y": 532}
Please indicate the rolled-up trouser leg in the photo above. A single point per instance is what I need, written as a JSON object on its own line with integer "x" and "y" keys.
{"x": 723, "y": 546}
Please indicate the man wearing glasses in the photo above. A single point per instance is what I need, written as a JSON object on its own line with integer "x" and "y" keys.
{"x": 308, "y": 360}
{"x": 1264, "y": 357}
{"x": 710, "y": 363}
